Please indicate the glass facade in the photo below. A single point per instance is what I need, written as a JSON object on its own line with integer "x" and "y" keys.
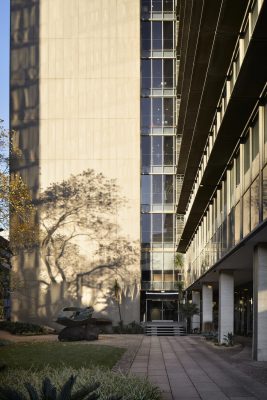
{"x": 158, "y": 143}
{"x": 239, "y": 204}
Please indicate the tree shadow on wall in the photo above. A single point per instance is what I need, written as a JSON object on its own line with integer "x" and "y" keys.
{"x": 81, "y": 245}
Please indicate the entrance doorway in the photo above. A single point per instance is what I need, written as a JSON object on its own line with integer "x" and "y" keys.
{"x": 162, "y": 310}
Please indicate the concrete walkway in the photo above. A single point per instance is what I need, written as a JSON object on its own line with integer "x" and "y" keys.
{"x": 185, "y": 368}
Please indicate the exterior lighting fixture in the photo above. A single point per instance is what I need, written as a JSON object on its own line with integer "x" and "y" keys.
{"x": 162, "y": 291}
{"x": 210, "y": 286}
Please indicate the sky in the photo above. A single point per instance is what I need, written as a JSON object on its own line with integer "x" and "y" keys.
{"x": 4, "y": 61}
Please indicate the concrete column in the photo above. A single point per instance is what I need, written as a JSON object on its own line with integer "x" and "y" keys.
{"x": 226, "y": 304}
{"x": 207, "y": 304}
{"x": 259, "y": 344}
{"x": 196, "y": 318}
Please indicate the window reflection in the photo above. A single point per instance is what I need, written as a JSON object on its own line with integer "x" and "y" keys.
{"x": 168, "y": 35}
{"x": 157, "y": 112}
{"x": 255, "y": 203}
{"x": 246, "y": 154}
{"x": 237, "y": 170}
{"x": 145, "y": 190}
{"x": 168, "y": 189}
{"x": 246, "y": 213}
{"x": 255, "y": 139}
{"x": 168, "y": 150}
{"x": 157, "y": 150}
{"x": 146, "y": 153}
{"x": 157, "y": 73}
{"x": 146, "y": 228}
{"x": 156, "y": 35}
{"x": 157, "y": 227}
{"x": 168, "y": 227}
{"x": 168, "y": 5}
{"x": 157, "y": 189}
{"x": 156, "y": 5}
{"x": 145, "y": 8}
{"x": 145, "y": 113}
{"x": 168, "y": 74}
{"x": 146, "y": 36}
{"x": 146, "y": 74}
{"x": 168, "y": 111}
{"x": 146, "y": 260}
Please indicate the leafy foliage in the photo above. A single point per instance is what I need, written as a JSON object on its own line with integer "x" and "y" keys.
{"x": 188, "y": 310}
{"x": 15, "y": 197}
{"x": 132, "y": 328}
{"x": 113, "y": 386}
{"x": 49, "y": 392}
{"x": 229, "y": 339}
{"x": 20, "y": 328}
{"x": 179, "y": 260}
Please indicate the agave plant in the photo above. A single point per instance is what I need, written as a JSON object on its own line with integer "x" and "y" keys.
{"x": 49, "y": 392}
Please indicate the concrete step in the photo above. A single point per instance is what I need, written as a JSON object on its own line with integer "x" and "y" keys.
{"x": 164, "y": 330}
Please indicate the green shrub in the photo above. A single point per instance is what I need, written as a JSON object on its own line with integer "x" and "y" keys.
{"x": 21, "y": 328}
{"x": 49, "y": 391}
{"x": 229, "y": 339}
{"x": 112, "y": 384}
{"x": 131, "y": 329}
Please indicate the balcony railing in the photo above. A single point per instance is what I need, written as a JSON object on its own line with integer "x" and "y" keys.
{"x": 160, "y": 285}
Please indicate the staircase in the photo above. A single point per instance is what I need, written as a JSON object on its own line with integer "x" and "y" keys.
{"x": 164, "y": 328}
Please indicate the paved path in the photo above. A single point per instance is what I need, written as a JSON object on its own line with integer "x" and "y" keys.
{"x": 185, "y": 368}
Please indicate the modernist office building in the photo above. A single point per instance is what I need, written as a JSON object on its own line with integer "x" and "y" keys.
{"x": 223, "y": 123}
{"x": 168, "y": 99}
{"x": 81, "y": 71}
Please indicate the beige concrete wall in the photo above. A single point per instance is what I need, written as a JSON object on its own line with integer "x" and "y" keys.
{"x": 89, "y": 112}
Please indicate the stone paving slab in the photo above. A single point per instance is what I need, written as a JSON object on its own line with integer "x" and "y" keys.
{"x": 184, "y": 368}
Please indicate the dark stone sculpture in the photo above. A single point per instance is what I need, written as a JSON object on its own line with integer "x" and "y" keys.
{"x": 79, "y": 324}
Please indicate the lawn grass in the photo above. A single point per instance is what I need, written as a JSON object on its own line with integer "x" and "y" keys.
{"x": 38, "y": 355}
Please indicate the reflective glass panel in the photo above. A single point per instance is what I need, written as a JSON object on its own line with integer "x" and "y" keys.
{"x": 168, "y": 74}
{"x": 157, "y": 73}
{"x": 168, "y": 35}
{"x": 168, "y": 150}
{"x": 157, "y": 112}
{"x": 146, "y": 5}
{"x": 168, "y": 261}
{"x": 157, "y": 260}
{"x": 146, "y": 153}
{"x": 157, "y": 150}
{"x": 168, "y": 5}
{"x": 255, "y": 139}
{"x": 246, "y": 213}
{"x": 168, "y": 111}
{"x": 168, "y": 188}
{"x": 146, "y": 228}
{"x": 246, "y": 154}
{"x": 168, "y": 227}
{"x": 237, "y": 170}
{"x": 255, "y": 202}
{"x": 157, "y": 189}
{"x": 146, "y": 74}
{"x": 157, "y": 35}
{"x": 146, "y": 36}
{"x": 145, "y": 259}
{"x": 157, "y": 227}
{"x": 146, "y": 189}
{"x": 145, "y": 113}
{"x": 156, "y": 5}
{"x": 237, "y": 222}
